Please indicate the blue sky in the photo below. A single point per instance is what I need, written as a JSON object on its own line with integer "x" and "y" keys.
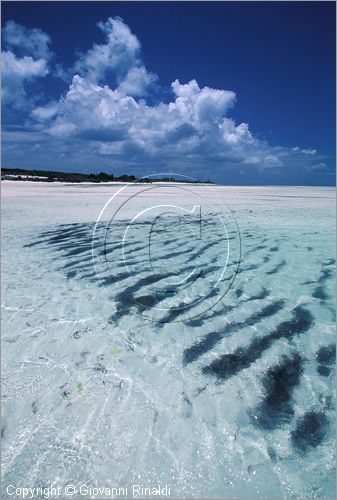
{"x": 235, "y": 92}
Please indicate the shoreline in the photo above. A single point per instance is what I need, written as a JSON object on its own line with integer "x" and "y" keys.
{"x": 108, "y": 183}
{"x": 167, "y": 183}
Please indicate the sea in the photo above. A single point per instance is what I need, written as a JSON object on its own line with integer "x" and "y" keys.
{"x": 172, "y": 336}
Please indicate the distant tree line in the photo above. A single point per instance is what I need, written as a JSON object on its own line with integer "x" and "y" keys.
{"x": 53, "y": 176}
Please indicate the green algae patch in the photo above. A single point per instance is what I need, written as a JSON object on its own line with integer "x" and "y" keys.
{"x": 115, "y": 351}
{"x": 79, "y": 387}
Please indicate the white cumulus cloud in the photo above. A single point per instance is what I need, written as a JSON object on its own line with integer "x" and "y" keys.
{"x": 105, "y": 111}
{"x": 16, "y": 73}
{"x": 29, "y": 42}
{"x": 25, "y": 60}
{"x": 120, "y": 56}
{"x": 194, "y": 122}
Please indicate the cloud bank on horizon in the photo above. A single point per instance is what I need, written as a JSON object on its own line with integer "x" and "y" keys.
{"x": 110, "y": 115}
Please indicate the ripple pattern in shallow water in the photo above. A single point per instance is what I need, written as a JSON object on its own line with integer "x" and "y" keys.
{"x": 237, "y": 402}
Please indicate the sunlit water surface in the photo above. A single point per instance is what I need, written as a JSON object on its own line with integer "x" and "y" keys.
{"x": 103, "y": 386}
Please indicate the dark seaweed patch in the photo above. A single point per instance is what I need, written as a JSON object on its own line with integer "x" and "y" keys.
{"x": 199, "y": 321}
{"x": 126, "y": 298}
{"x": 169, "y": 255}
{"x": 277, "y": 268}
{"x": 203, "y": 249}
{"x": 325, "y": 275}
{"x": 320, "y": 293}
{"x": 148, "y": 300}
{"x": 326, "y": 355}
{"x": 250, "y": 267}
{"x": 100, "y": 368}
{"x": 309, "y": 282}
{"x": 323, "y": 370}
{"x": 279, "y": 384}
{"x": 259, "y": 296}
{"x": 230, "y": 364}
{"x": 176, "y": 312}
{"x": 182, "y": 307}
{"x": 272, "y": 453}
{"x": 78, "y": 250}
{"x": 330, "y": 262}
{"x": 310, "y": 431}
{"x": 205, "y": 345}
{"x": 78, "y": 263}
{"x": 211, "y": 339}
{"x": 110, "y": 280}
{"x": 255, "y": 249}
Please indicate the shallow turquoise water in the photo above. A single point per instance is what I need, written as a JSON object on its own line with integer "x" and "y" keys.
{"x": 207, "y": 364}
